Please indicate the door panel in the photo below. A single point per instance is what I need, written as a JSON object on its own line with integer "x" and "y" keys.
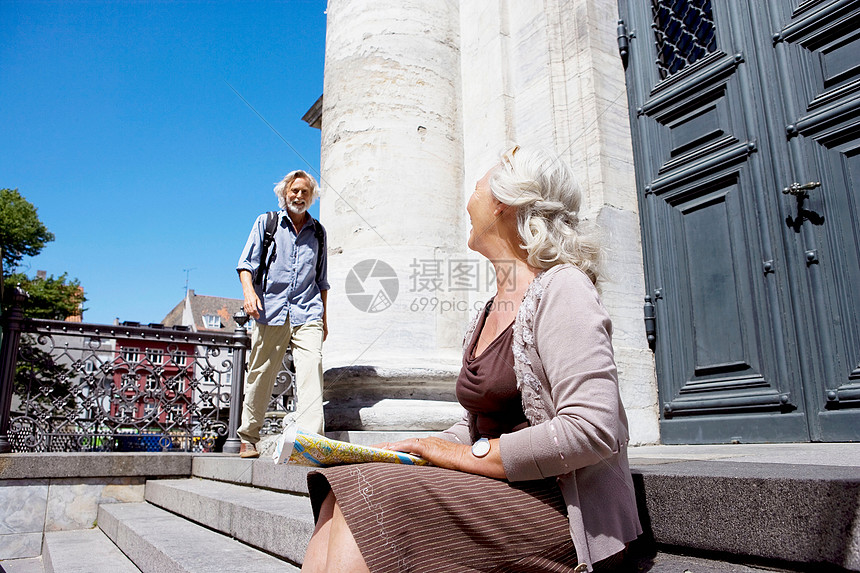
{"x": 755, "y": 290}
{"x": 818, "y": 54}
{"x": 720, "y": 346}
{"x": 718, "y": 358}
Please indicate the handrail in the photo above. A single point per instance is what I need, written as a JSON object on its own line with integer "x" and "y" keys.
{"x": 71, "y": 386}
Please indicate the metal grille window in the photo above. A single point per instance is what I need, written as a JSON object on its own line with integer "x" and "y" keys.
{"x": 684, "y": 31}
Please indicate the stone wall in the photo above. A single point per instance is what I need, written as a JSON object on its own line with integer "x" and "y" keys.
{"x": 61, "y": 492}
{"x": 30, "y": 507}
{"x": 548, "y": 74}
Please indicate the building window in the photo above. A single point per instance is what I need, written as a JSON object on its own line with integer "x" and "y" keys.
{"x": 180, "y": 358}
{"x": 174, "y": 414}
{"x": 211, "y": 321}
{"x": 126, "y": 412}
{"x": 228, "y": 376}
{"x": 155, "y": 356}
{"x": 131, "y": 355}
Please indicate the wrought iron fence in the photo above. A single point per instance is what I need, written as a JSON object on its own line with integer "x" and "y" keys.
{"x": 68, "y": 386}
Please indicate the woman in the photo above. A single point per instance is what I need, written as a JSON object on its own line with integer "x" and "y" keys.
{"x": 542, "y": 481}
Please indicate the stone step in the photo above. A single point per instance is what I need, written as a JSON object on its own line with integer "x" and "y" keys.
{"x": 660, "y": 563}
{"x": 276, "y": 522}
{"x": 261, "y": 472}
{"x": 263, "y": 518}
{"x": 158, "y": 541}
{"x": 664, "y": 562}
{"x": 748, "y": 505}
{"x": 372, "y": 438}
{"x": 25, "y": 565}
{"x": 787, "y": 513}
{"x": 83, "y": 551}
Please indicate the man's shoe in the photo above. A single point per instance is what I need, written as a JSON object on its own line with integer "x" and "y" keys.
{"x": 248, "y": 451}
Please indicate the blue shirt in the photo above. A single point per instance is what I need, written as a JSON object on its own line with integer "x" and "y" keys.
{"x": 293, "y": 287}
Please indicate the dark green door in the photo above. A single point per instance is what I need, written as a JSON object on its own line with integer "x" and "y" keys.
{"x": 745, "y": 119}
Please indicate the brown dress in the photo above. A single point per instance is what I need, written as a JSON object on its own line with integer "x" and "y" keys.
{"x": 428, "y": 519}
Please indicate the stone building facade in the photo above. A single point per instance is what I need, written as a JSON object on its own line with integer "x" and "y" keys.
{"x": 420, "y": 97}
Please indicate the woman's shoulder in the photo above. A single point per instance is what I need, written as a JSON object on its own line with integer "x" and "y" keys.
{"x": 568, "y": 296}
{"x": 566, "y": 276}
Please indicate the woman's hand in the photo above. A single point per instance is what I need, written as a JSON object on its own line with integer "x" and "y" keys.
{"x": 453, "y": 456}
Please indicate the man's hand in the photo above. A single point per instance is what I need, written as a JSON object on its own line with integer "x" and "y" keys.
{"x": 324, "y": 297}
{"x": 252, "y": 304}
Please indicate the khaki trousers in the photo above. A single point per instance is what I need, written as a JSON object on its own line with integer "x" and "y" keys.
{"x": 268, "y": 346}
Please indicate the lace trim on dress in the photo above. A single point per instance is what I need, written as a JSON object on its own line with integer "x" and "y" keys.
{"x": 527, "y": 383}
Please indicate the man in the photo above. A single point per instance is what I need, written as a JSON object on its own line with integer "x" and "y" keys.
{"x": 286, "y": 296}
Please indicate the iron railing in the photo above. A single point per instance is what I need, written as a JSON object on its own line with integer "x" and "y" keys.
{"x": 67, "y": 386}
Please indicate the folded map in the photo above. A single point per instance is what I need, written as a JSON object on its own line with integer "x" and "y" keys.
{"x": 308, "y": 449}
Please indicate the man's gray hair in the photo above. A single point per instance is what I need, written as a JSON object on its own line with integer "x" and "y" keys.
{"x": 282, "y": 186}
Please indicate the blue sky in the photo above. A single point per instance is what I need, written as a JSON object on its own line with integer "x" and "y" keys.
{"x": 120, "y": 125}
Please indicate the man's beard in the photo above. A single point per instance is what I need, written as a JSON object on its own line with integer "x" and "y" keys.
{"x": 297, "y": 209}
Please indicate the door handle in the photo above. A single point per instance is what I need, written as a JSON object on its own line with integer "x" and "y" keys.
{"x": 801, "y": 190}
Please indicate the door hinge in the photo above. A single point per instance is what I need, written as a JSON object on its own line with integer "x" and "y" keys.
{"x": 624, "y": 42}
{"x": 650, "y": 322}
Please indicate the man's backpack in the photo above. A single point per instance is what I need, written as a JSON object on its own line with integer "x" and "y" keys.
{"x": 272, "y": 220}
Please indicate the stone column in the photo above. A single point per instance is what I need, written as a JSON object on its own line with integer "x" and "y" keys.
{"x": 391, "y": 200}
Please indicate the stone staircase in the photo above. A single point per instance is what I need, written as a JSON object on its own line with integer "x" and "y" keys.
{"x": 704, "y": 512}
{"x": 230, "y": 515}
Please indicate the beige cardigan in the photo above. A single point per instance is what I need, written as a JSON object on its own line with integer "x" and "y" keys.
{"x": 569, "y": 384}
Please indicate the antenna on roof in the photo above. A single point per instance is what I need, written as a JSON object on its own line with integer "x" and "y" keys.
{"x": 187, "y": 272}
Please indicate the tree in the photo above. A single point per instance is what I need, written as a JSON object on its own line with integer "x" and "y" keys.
{"x": 21, "y": 231}
{"x": 39, "y": 378}
{"x": 50, "y": 297}
{"x": 23, "y": 234}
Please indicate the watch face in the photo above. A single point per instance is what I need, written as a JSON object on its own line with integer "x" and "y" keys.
{"x": 481, "y": 448}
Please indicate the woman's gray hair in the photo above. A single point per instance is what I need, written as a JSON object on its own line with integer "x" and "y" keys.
{"x": 282, "y": 186}
{"x": 548, "y": 201}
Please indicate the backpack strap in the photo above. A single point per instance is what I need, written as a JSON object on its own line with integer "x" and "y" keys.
{"x": 268, "y": 242}
{"x": 319, "y": 234}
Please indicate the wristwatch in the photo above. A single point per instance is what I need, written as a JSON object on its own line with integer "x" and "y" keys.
{"x": 481, "y": 448}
